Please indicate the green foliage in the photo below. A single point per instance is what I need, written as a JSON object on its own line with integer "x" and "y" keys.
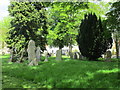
{"x": 93, "y": 38}
{"x": 99, "y": 8}
{"x": 63, "y": 20}
{"x": 28, "y": 22}
{"x": 113, "y": 17}
{"x": 113, "y": 22}
{"x": 4, "y": 27}
{"x": 61, "y": 74}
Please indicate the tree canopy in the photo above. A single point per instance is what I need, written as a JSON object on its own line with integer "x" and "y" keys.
{"x": 29, "y": 22}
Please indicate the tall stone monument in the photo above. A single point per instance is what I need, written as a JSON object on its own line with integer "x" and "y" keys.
{"x": 31, "y": 53}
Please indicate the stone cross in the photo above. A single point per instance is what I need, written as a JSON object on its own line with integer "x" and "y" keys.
{"x": 31, "y": 53}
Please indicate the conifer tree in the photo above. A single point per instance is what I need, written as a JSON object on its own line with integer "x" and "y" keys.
{"x": 93, "y": 38}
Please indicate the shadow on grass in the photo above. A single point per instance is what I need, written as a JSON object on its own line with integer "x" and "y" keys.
{"x": 62, "y": 74}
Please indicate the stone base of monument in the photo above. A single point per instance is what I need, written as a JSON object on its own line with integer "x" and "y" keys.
{"x": 33, "y": 62}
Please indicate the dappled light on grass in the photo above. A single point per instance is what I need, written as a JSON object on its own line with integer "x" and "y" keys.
{"x": 108, "y": 71}
{"x": 66, "y": 73}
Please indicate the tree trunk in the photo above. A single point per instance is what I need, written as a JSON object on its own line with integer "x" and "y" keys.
{"x": 117, "y": 46}
{"x": 70, "y": 51}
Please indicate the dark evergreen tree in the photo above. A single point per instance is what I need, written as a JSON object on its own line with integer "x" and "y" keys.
{"x": 93, "y": 38}
{"x": 28, "y": 22}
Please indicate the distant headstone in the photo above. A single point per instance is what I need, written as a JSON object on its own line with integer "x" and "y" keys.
{"x": 108, "y": 54}
{"x": 59, "y": 55}
{"x": 31, "y": 53}
{"x": 38, "y": 54}
{"x": 75, "y": 55}
{"x": 46, "y": 56}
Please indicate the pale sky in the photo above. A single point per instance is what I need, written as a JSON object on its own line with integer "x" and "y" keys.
{"x": 4, "y": 7}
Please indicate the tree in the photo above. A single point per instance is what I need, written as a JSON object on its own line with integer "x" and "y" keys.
{"x": 63, "y": 23}
{"x": 113, "y": 21}
{"x": 93, "y": 38}
{"x": 28, "y": 23}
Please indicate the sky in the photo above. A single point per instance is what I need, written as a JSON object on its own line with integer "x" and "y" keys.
{"x": 4, "y": 7}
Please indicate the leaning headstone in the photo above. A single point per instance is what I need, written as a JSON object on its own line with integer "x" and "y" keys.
{"x": 59, "y": 55}
{"x": 38, "y": 53}
{"x": 46, "y": 56}
{"x": 31, "y": 53}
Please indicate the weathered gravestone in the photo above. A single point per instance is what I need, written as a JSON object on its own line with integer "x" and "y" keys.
{"x": 31, "y": 53}
{"x": 38, "y": 54}
{"x": 46, "y": 56}
{"x": 59, "y": 55}
{"x": 108, "y": 55}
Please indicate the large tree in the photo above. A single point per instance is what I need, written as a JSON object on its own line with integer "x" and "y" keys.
{"x": 63, "y": 20}
{"x": 113, "y": 18}
{"x": 28, "y": 23}
{"x": 93, "y": 38}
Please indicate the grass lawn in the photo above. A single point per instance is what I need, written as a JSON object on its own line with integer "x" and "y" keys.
{"x": 60, "y": 74}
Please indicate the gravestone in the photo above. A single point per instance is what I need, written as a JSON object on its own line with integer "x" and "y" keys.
{"x": 59, "y": 55}
{"x": 46, "y": 56}
{"x": 31, "y": 53}
{"x": 108, "y": 55}
{"x": 75, "y": 55}
{"x": 38, "y": 54}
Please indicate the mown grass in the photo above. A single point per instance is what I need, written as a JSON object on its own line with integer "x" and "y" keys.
{"x": 60, "y": 74}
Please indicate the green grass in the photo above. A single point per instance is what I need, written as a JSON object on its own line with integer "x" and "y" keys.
{"x": 60, "y": 74}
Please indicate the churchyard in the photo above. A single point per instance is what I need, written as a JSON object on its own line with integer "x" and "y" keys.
{"x": 67, "y": 73}
{"x": 56, "y": 45}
